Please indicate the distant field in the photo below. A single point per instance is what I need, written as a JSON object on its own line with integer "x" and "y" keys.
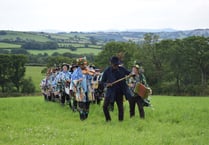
{"x": 35, "y": 73}
{"x": 8, "y": 45}
{"x": 61, "y": 51}
{"x": 25, "y": 36}
{"x": 79, "y": 45}
{"x": 77, "y": 40}
{"x": 73, "y": 44}
{"x": 172, "y": 121}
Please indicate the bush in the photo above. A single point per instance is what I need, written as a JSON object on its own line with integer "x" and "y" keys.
{"x": 27, "y": 86}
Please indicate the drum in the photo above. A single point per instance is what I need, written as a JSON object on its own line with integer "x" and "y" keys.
{"x": 142, "y": 91}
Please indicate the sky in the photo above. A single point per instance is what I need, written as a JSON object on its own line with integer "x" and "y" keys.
{"x": 103, "y": 15}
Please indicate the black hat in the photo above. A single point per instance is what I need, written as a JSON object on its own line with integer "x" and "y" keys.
{"x": 115, "y": 60}
{"x": 72, "y": 67}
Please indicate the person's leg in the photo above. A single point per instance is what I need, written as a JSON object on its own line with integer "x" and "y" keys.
{"x": 81, "y": 106}
{"x": 140, "y": 107}
{"x": 105, "y": 109}
{"x": 119, "y": 101}
{"x": 74, "y": 105}
{"x": 87, "y": 106}
{"x": 62, "y": 98}
{"x": 132, "y": 106}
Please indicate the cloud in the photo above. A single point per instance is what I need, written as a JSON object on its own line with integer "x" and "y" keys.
{"x": 88, "y": 15}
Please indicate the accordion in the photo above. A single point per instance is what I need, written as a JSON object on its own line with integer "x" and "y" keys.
{"x": 142, "y": 90}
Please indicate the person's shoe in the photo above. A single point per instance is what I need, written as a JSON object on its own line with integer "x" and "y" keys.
{"x": 108, "y": 120}
{"x": 146, "y": 103}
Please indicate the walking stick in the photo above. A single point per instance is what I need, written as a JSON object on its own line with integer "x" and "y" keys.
{"x": 110, "y": 84}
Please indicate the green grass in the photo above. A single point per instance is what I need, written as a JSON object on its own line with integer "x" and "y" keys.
{"x": 35, "y": 73}
{"x": 8, "y": 45}
{"x": 25, "y": 36}
{"x": 61, "y": 51}
{"x": 73, "y": 44}
{"x": 173, "y": 121}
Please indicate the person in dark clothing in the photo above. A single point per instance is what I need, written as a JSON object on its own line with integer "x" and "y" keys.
{"x": 115, "y": 91}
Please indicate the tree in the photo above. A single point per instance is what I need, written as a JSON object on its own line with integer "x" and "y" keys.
{"x": 18, "y": 66}
{"x": 12, "y": 71}
{"x": 123, "y": 50}
{"x": 28, "y": 86}
{"x": 5, "y": 70}
{"x": 150, "y": 57}
{"x": 19, "y": 51}
{"x": 93, "y": 40}
{"x": 198, "y": 57}
{"x": 34, "y": 45}
{"x": 58, "y": 60}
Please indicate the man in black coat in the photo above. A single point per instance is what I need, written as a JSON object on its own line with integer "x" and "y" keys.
{"x": 115, "y": 91}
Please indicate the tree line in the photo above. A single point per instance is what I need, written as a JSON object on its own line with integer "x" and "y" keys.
{"x": 34, "y": 45}
{"x": 12, "y": 71}
{"x": 172, "y": 67}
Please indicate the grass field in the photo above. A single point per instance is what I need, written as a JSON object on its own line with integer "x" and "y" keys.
{"x": 172, "y": 121}
{"x": 61, "y": 51}
{"x": 8, "y": 45}
{"x": 25, "y": 36}
{"x": 35, "y": 73}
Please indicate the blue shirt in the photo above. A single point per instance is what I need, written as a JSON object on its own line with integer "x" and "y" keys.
{"x": 77, "y": 75}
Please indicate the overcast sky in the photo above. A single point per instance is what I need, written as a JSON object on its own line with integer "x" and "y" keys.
{"x": 94, "y": 15}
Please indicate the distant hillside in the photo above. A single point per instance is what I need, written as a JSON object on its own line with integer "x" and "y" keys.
{"x": 96, "y": 38}
{"x": 137, "y": 36}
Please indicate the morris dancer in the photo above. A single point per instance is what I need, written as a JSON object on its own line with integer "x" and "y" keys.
{"x": 73, "y": 104}
{"x": 55, "y": 85}
{"x": 63, "y": 79}
{"x": 79, "y": 84}
{"x": 46, "y": 86}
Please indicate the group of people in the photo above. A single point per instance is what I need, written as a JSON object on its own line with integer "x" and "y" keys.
{"x": 80, "y": 84}
{"x": 121, "y": 82}
{"x": 76, "y": 85}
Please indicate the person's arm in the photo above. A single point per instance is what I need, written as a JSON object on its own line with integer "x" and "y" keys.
{"x": 143, "y": 80}
{"x": 104, "y": 80}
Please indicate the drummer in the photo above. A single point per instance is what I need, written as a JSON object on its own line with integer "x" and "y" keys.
{"x": 137, "y": 77}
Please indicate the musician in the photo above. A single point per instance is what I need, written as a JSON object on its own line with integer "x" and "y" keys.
{"x": 114, "y": 92}
{"x": 79, "y": 82}
{"x": 136, "y": 99}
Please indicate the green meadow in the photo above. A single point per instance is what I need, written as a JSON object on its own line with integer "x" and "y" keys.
{"x": 8, "y": 45}
{"x": 61, "y": 51}
{"x": 35, "y": 73}
{"x": 13, "y": 35}
{"x": 171, "y": 121}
